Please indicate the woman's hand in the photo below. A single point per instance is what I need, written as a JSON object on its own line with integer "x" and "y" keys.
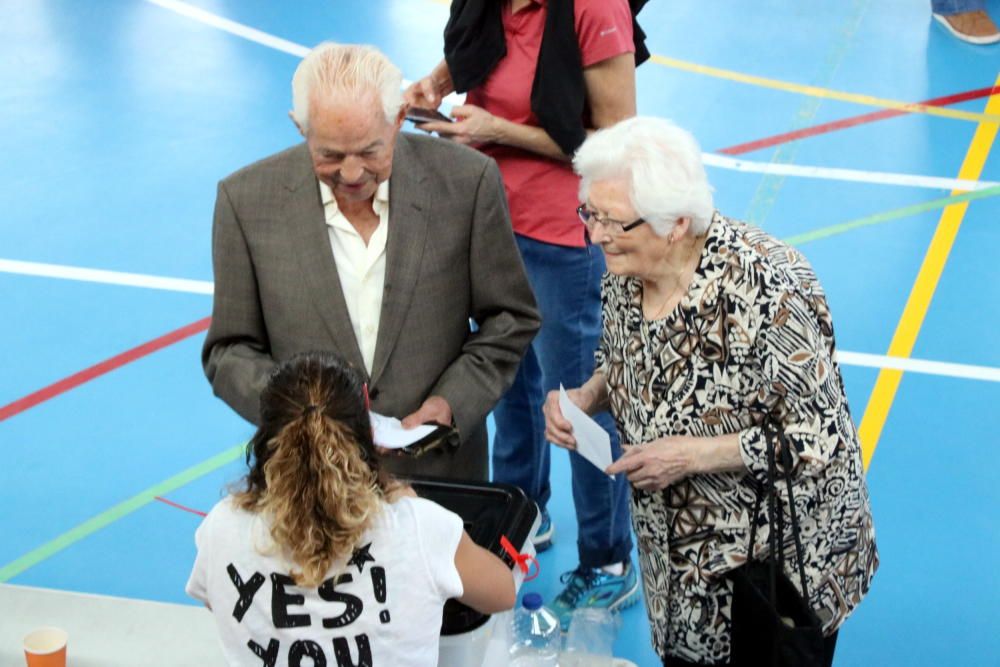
{"x": 423, "y": 94}
{"x": 558, "y": 430}
{"x": 427, "y": 93}
{"x": 657, "y": 464}
{"x": 473, "y": 125}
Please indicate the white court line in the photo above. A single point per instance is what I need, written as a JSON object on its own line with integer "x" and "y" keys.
{"x": 107, "y": 277}
{"x": 986, "y": 373}
{"x": 232, "y": 27}
{"x": 835, "y": 174}
{"x": 967, "y": 372}
{"x": 711, "y": 159}
{"x": 254, "y": 35}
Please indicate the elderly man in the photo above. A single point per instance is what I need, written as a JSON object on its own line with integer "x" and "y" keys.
{"x": 375, "y": 244}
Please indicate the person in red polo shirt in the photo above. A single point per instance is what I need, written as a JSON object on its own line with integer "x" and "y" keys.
{"x": 540, "y": 74}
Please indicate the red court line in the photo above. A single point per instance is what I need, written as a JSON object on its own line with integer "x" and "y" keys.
{"x": 853, "y": 121}
{"x": 106, "y": 366}
{"x": 180, "y": 507}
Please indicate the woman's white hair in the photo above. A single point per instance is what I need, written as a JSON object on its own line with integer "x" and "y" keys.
{"x": 352, "y": 70}
{"x": 662, "y": 164}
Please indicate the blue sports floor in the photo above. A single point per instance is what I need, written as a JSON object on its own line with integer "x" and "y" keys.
{"x": 119, "y": 117}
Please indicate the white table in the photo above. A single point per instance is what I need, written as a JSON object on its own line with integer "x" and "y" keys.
{"x": 107, "y": 631}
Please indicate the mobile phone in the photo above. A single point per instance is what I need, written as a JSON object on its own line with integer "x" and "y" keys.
{"x": 419, "y": 115}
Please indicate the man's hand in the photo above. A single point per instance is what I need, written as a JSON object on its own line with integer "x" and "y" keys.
{"x": 434, "y": 409}
{"x": 657, "y": 464}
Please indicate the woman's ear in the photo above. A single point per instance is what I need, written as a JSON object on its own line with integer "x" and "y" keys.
{"x": 680, "y": 230}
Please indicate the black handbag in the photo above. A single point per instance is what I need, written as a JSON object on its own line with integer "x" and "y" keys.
{"x": 773, "y": 624}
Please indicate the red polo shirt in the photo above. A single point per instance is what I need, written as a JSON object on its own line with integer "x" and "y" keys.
{"x": 543, "y": 192}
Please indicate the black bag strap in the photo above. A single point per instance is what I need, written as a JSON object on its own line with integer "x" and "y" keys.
{"x": 776, "y": 528}
{"x": 786, "y": 462}
{"x": 776, "y": 522}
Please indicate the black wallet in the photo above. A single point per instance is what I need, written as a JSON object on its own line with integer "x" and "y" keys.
{"x": 441, "y": 439}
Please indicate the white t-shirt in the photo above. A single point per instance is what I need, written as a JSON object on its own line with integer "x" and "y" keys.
{"x": 380, "y": 606}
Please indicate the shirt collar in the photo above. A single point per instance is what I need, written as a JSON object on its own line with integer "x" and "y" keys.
{"x": 536, "y": 3}
{"x": 379, "y": 203}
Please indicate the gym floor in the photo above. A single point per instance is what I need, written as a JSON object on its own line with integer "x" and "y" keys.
{"x": 121, "y": 115}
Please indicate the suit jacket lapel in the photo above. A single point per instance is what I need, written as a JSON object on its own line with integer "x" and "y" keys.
{"x": 312, "y": 252}
{"x": 407, "y": 234}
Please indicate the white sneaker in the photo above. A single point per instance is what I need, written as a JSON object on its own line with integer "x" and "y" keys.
{"x": 546, "y": 529}
{"x": 974, "y": 27}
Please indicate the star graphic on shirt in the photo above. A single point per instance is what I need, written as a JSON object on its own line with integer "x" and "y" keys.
{"x": 361, "y": 556}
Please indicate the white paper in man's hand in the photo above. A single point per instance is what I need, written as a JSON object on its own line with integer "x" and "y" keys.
{"x": 388, "y": 432}
{"x": 592, "y": 441}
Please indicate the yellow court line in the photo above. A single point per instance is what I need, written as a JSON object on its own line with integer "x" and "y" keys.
{"x": 816, "y": 91}
{"x": 905, "y": 337}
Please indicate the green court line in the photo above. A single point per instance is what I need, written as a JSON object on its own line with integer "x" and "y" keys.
{"x": 895, "y": 214}
{"x": 769, "y": 188}
{"x": 122, "y": 509}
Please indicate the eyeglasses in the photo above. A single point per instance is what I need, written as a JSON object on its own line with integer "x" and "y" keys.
{"x": 590, "y": 219}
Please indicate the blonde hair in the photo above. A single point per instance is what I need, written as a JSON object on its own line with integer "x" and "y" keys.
{"x": 314, "y": 471}
{"x": 351, "y": 70}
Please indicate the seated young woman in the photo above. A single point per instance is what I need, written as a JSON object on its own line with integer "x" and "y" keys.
{"x": 324, "y": 556}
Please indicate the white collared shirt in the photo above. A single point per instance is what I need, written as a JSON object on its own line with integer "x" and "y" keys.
{"x": 361, "y": 267}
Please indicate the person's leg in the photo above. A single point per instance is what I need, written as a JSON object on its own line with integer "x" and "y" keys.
{"x": 567, "y": 286}
{"x": 602, "y": 503}
{"x": 602, "y": 509}
{"x": 520, "y": 454}
{"x": 948, "y": 7}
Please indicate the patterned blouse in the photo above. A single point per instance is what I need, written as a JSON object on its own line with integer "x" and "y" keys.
{"x": 751, "y": 337}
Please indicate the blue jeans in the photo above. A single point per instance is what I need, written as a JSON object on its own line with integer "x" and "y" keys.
{"x": 567, "y": 285}
{"x": 949, "y": 7}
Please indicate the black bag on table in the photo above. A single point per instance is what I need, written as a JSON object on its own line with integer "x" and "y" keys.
{"x": 773, "y": 624}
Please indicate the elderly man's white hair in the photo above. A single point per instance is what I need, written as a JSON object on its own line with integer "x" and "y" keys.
{"x": 662, "y": 164}
{"x": 351, "y": 70}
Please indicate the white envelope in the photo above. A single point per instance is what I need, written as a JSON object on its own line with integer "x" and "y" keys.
{"x": 592, "y": 441}
{"x": 388, "y": 432}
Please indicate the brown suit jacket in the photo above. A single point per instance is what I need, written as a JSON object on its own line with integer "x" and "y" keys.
{"x": 451, "y": 256}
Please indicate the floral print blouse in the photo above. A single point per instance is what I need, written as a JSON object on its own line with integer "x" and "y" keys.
{"x": 752, "y": 337}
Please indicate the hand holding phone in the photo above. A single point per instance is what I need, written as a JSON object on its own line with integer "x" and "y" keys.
{"x": 419, "y": 115}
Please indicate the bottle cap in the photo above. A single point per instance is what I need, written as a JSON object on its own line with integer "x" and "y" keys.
{"x": 532, "y": 601}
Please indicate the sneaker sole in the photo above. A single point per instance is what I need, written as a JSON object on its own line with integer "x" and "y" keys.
{"x": 542, "y": 546}
{"x": 629, "y": 599}
{"x": 968, "y": 39}
{"x": 544, "y": 541}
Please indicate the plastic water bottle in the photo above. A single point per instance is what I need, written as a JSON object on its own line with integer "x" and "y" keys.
{"x": 535, "y": 636}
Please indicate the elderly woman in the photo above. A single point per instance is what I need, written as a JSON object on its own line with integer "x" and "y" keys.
{"x": 712, "y": 326}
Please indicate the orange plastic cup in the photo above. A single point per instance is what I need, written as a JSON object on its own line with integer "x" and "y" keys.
{"x": 46, "y": 647}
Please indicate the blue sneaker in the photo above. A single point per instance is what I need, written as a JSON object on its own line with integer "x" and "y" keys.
{"x": 546, "y": 529}
{"x": 593, "y": 587}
